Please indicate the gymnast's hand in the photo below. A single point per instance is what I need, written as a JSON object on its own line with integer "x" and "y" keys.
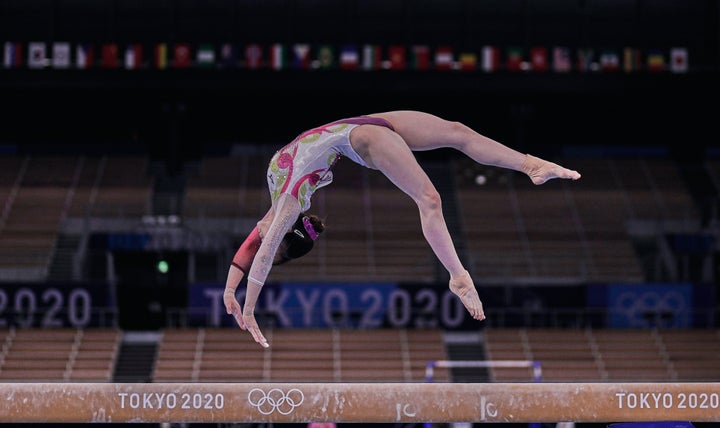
{"x": 252, "y": 326}
{"x": 232, "y": 307}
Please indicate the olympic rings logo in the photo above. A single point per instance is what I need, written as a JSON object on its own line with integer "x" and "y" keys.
{"x": 633, "y": 306}
{"x": 275, "y": 400}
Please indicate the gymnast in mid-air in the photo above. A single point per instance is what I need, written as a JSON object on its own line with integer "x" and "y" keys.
{"x": 382, "y": 141}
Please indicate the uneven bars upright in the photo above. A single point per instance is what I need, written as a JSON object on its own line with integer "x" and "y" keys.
{"x": 359, "y": 402}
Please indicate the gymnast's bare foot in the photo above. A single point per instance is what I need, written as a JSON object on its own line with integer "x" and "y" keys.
{"x": 540, "y": 170}
{"x": 464, "y": 288}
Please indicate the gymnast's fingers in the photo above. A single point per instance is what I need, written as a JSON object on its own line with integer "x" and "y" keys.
{"x": 254, "y": 329}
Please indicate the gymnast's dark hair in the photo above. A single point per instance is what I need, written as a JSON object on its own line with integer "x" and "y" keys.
{"x": 301, "y": 238}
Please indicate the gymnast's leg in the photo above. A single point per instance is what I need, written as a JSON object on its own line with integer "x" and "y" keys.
{"x": 424, "y": 131}
{"x": 386, "y": 151}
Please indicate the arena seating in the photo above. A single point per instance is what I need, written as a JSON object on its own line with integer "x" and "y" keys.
{"x": 227, "y": 187}
{"x": 607, "y": 354}
{"x": 323, "y": 355}
{"x": 36, "y": 191}
{"x": 560, "y": 231}
{"x": 347, "y": 355}
{"x": 564, "y": 355}
{"x": 58, "y": 354}
{"x": 563, "y": 230}
{"x": 40, "y": 193}
{"x": 124, "y": 188}
{"x": 692, "y": 354}
{"x": 84, "y": 193}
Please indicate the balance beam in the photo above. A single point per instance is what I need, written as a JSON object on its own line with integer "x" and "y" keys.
{"x": 358, "y": 402}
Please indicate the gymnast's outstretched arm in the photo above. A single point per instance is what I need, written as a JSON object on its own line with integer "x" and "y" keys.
{"x": 240, "y": 265}
{"x": 286, "y": 210}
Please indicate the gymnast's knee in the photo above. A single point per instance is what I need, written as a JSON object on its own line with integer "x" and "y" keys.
{"x": 430, "y": 202}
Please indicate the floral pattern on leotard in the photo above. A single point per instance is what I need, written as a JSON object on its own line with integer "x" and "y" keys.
{"x": 283, "y": 163}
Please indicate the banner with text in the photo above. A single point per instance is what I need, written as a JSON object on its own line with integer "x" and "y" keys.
{"x": 337, "y": 305}
{"x": 56, "y": 305}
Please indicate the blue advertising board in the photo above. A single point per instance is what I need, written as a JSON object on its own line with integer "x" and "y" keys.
{"x": 670, "y": 305}
{"x": 55, "y": 305}
{"x": 347, "y": 305}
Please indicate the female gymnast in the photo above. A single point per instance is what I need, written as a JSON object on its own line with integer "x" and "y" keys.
{"x": 381, "y": 141}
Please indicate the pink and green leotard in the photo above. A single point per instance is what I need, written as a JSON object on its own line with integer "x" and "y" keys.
{"x": 305, "y": 165}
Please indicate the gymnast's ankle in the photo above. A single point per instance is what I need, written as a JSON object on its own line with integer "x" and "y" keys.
{"x": 461, "y": 283}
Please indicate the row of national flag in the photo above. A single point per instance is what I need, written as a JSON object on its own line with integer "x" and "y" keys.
{"x": 560, "y": 59}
